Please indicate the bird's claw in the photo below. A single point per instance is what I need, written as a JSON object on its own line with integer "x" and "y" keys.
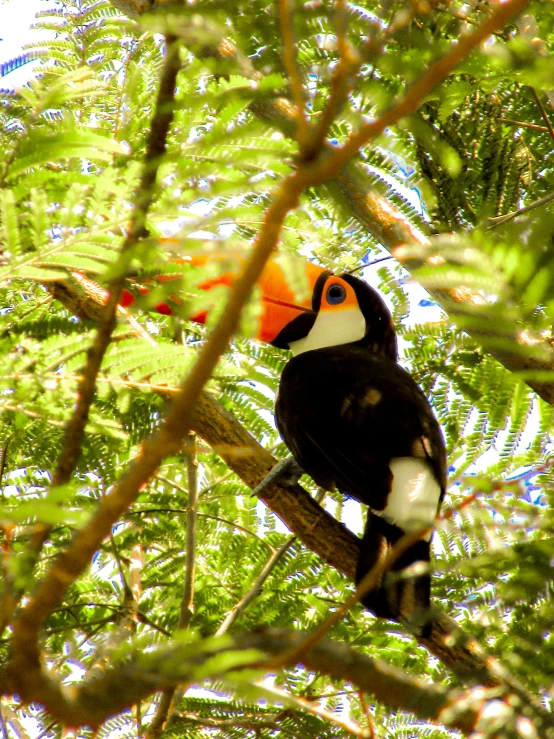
{"x": 286, "y": 472}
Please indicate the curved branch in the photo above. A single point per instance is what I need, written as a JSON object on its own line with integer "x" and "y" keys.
{"x": 381, "y": 218}
{"x": 295, "y": 507}
{"x": 414, "y": 95}
{"x": 143, "y": 674}
{"x": 25, "y": 667}
{"x": 301, "y": 514}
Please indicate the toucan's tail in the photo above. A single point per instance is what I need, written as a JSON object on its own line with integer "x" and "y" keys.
{"x": 404, "y": 599}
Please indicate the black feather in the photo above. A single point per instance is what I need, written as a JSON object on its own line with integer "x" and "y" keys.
{"x": 345, "y": 413}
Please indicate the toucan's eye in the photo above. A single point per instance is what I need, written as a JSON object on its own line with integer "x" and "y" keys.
{"x": 336, "y": 294}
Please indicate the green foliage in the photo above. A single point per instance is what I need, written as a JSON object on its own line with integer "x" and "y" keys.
{"x": 73, "y": 141}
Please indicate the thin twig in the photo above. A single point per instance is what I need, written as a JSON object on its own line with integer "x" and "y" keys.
{"x": 350, "y": 726}
{"x": 142, "y": 617}
{"x": 256, "y": 588}
{"x": 499, "y": 220}
{"x": 170, "y": 697}
{"x": 521, "y": 124}
{"x": 157, "y": 724}
{"x": 186, "y": 609}
{"x": 448, "y": 513}
{"x": 369, "y": 264}
{"x": 20, "y": 408}
{"x": 115, "y": 552}
{"x": 4, "y": 454}
{"x": 233, "y": 524}
{"x": 250, "y": 724}
{"x": 45, "y": 731}
{"x": 291, "y": 66}
{"x": 3, "y": 727}
{"x": 182, "y": 489}
{"x": 544, "y": 114}
{"x": 367, "y": 713}
{"x": 133, "y": 51}
{"x": 125, "y": 623}
{"x": 466, "y": 19}
{"x": 413, "y": 97}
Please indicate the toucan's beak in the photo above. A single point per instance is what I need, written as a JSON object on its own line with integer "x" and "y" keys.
{"x": 283, "y": 313}
{"x": 286, "y": 289}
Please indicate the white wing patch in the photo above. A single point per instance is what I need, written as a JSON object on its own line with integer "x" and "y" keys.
{"x": 414, "y": 497}
{"x": 332, "y": 328}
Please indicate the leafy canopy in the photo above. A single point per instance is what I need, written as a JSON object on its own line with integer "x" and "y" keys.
{"x": 477, "y": 149}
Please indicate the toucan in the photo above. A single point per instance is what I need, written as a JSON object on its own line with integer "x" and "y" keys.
{"x": 355, "y": 420}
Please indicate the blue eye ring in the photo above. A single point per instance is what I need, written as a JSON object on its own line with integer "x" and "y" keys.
{"x": 335, "y": 294}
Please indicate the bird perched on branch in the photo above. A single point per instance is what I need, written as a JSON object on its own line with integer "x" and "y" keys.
{"x": 356, "y": 421}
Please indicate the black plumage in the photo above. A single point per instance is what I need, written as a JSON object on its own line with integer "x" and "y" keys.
{"x": 346, "y": 412}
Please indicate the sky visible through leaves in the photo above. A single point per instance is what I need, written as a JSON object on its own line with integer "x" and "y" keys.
{"x": 16, "y": 20}
{"x": 219, "y": 174}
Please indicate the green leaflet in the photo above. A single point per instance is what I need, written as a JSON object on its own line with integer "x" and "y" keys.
{"x": 66, "y": 144}
{"x": 74, "y": 144}
{"x": 10, "y": 230}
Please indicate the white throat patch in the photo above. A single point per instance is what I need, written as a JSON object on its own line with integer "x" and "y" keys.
{"x": 332, "y": 328}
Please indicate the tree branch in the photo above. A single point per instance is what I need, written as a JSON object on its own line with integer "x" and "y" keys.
{"x": 256, "y": 588}
{"x": 75, "y": 429}
{"x": 413, "y": 97}
{"x": 186, "y": 609}
{"x": 25, "y": 670}
{"x": 27, "y": 625}
{"x": 382, "y": 219}
{"x": 317, "y": 529}
{"x": 142, "y": 200}
{"x": 25, "y": 665}
{"x": 286, "y": 18}
{"x": 136, "y": 679}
